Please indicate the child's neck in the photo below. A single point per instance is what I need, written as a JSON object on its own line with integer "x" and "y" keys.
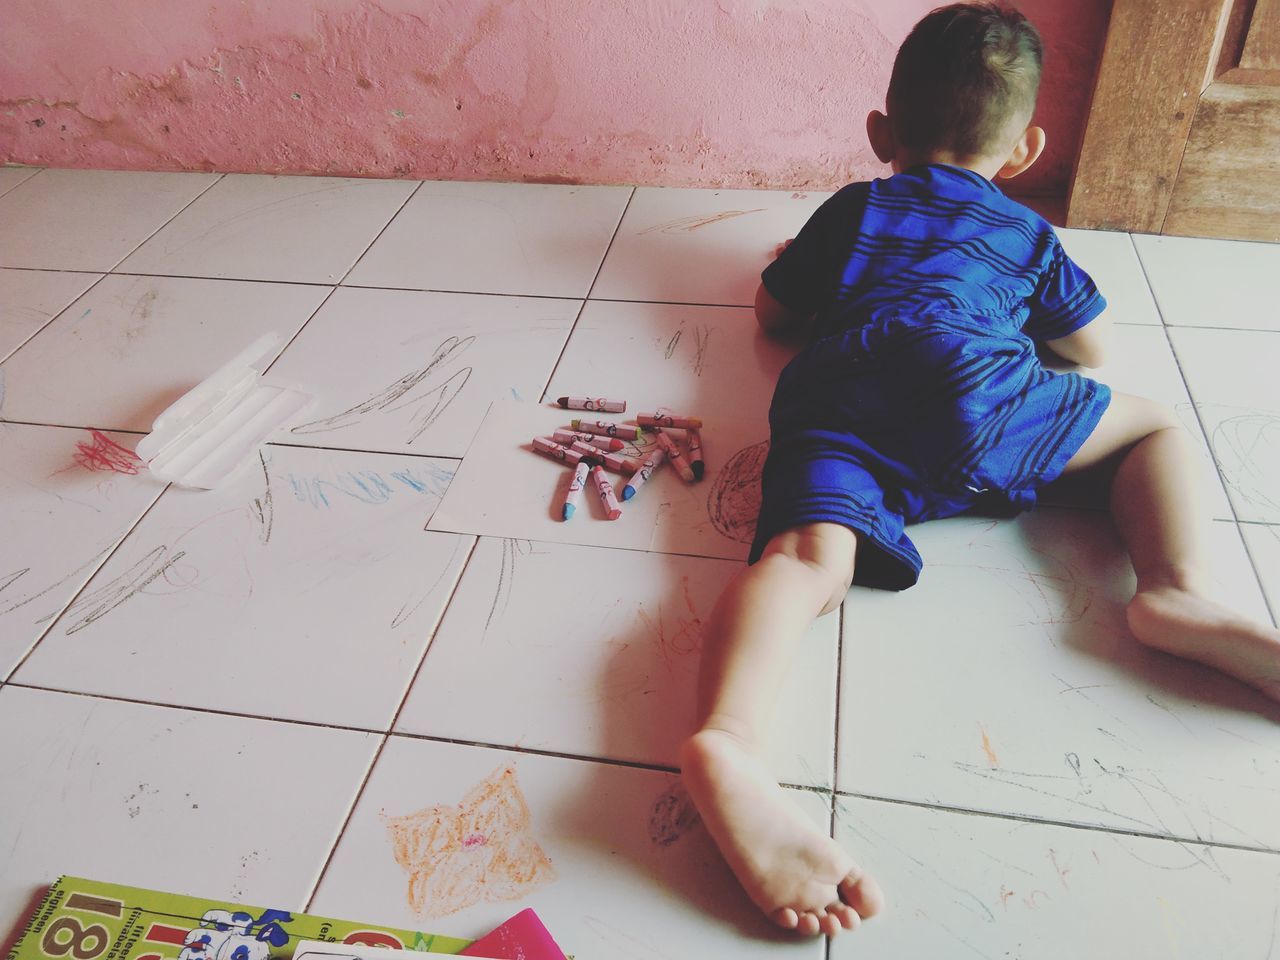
{"x": 983, "y": 166}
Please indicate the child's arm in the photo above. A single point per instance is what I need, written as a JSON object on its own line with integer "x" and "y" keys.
{"x": 1086, "y": 346}
{"x": 1064, "y": 310}
{"x": 774, "y": 318}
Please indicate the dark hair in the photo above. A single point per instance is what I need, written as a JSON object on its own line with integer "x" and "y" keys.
{"x": 962, "y": 75}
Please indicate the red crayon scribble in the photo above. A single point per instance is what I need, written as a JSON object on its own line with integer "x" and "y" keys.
{"x": 105, "y": 454}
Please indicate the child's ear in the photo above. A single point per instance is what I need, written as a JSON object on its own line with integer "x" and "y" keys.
{"x": 1025, "y": 152}
{"x": 880, "y": 133}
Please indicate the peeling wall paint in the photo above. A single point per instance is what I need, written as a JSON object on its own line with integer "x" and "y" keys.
{"x": 734, "y": 93}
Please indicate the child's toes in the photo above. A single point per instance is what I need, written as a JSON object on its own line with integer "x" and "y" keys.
{"x": 785, "y": 917}
{"x": 808, "y": 924}
{"x": 847, "y": 916}
{"x": 829, "y": 924}
{"x": 862, "y": 893}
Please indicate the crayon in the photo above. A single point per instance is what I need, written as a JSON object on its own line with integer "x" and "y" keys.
{"x": 676, "y": 457}
{"x": 567, "y": 437}
{"x": 695, "y": 453}
{"x": 605, "y": 489}
{"x": 574, "y": 495}
{"x": 668, "y": 420}
{"x": 606, "y": 428}
{"x": 651, "y": 463}
{"x": 612, "y": 461}
{"x": 549, "y": 448}
{"x": 593, "y": 403}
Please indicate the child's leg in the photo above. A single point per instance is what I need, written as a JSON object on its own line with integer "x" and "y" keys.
{"x": 1153, "y": 500}
{"x": 798, "y": 875}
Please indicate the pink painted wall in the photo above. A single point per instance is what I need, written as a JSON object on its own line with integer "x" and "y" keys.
{"x": 736, "y": 93}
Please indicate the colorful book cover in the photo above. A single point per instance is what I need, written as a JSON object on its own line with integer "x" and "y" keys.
{"x": 89, "y": 920}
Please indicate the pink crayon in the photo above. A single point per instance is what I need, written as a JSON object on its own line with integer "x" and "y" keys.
{"x": 567, "y": 437}
{"x": 668, "y": 420}
{"x": 695, "y": 453}
{"x": 607, "y": 428}
{"x": 638, "y": 479}
{"x": 574, "y": 495}
{"x": 676, "y": 457}
{"x": 605, "y": 489}
{"x": 593, "y": 403}
{"x": 549, "y": 448}
{"x": 612, "y": 461}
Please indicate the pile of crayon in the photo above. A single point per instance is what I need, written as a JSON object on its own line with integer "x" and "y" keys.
{"x": 593, "y": 446}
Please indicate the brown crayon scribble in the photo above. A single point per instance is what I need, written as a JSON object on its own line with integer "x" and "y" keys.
{"x": 673, "y": 815}
{"x": 103, "y": 453}
{"x": 690, "y": 224}
{"x": 733, "y": 502}
{"x": 479, "y": 850}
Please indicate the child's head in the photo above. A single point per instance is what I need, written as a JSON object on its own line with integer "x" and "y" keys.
{"x": 963, "y": 90}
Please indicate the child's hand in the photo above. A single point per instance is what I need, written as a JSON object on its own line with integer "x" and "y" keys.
{"x": 782, "y": 246}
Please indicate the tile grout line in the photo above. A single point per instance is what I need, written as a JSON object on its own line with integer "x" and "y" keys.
{"x": 582, "y": 305}
{"x": 57, "y": 616}
{"x": 217, "y": 180}
{"x": 44, "y": 326}
{"x": 1047, "y": 822}
{"x": 333, "y": 288}
{"x": 659, "y": 768}
{"x": 835, "y": 758}
{"x": 391, "y": 725}
{"x": 35, "y": 173}
{"x": 1195, "y": 408}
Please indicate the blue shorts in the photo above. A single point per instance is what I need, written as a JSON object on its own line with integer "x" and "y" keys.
{"x": 875, "y": 432}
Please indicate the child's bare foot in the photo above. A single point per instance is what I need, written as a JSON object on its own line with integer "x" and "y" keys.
{"x": 798, "y": 876}
{"x": 1188, "y": 625}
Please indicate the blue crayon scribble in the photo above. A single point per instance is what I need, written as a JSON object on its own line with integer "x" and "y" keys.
{"x": 516, "y": 394}
{"x": 370, "y": 486}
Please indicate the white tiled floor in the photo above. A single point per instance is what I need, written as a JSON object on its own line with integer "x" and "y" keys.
{"x": 314, "y": 688}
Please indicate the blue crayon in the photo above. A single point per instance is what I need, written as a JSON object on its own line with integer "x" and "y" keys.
{"x": 574, "y": 493}
{"x": 637, "y": 480}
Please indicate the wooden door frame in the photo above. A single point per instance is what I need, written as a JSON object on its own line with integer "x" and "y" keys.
{"x": 1159, "y": 57}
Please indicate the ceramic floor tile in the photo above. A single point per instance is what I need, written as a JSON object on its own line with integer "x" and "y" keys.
{"x": 131, "y": 346}
{"x": 10, "y": 177}
{"x": 166, "y": 799}
{"x": 613, "y": 859}
{"x": 307, "y": 585}
{"x": 529, "y": 239}
{"x": 31, "y": 298}
{"x": 1007, "y": 681}
{"x": 414, "y": 372}
{"x": 700, "y": 246}
{"x": 247, "y": 227}
{"x": 1142, "y": 363}
{"x": 703, "y": 361}
{"x": 1212, "y": 283}
{"x": 89, "y": 219}
{"x": 66, "y": 498}
{"x": 1114, "y": 265}
{"x": 713, "y": 518}
{"x": 1231, "y": 376}
{"x": 959, "y": 885}
{"x": 1264, "y": 548}
{"x": 595, "y": 652}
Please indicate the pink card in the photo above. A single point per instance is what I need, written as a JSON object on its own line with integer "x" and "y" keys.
{"x": 523, "y": 937}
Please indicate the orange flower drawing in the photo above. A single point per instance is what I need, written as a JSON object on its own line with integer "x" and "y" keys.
{"x": 479, "y": 850}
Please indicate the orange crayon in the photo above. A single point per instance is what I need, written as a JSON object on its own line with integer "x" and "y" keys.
{"x": 605, "y": 489}
{"x": 668, "y": 420}
{"x": 676, "y": 457}
{"x": 549, "y": 448}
